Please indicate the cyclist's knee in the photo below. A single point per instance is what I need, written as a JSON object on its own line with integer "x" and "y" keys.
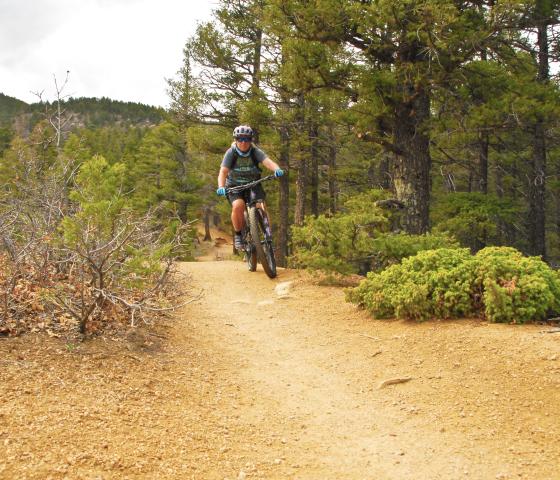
{"x": 238, "y": 205}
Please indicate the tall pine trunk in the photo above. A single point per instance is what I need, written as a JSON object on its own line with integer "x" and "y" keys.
{"x": 413, "y": 161}
{"x": 484, "y": 148}
{"x": 256, "y": 76}
{"x": 482, "y": 173}
{"x": 537, "y": 192}
{"x": 284, "y": 197}
{"x": 207, "y": 213}
{"x": 314, "y": 151}
{"x": 301, "y": 179}
{"x": 333, "y": 187}
{"x": 301, "y": 189}
{"x": 385, "y": 175}
{"x": 480, "y": 181}
{"x": 537, "y": 178}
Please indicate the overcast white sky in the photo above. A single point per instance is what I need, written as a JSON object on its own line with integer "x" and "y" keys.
{"x": 121, "y": 49}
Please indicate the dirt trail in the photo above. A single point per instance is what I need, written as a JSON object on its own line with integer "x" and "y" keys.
{"x": 281, "y": 378}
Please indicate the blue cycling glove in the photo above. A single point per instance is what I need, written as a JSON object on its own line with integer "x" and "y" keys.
{"x": 221, "y": 191}
{"x": 278, "y": 173}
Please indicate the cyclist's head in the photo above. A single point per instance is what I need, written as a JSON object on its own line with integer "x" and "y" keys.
{"x": 243, "y": 135}
{"x": 244, "y": 132}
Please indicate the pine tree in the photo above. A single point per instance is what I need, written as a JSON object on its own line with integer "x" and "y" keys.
{"x": 160, "y": 175}
{"x": 402, "y": 51}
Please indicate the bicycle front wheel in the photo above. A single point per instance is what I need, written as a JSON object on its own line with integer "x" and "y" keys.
{"x": 250, "y": 251}
{"x": 262, "y": 240}
{"x": 251, "y": 256}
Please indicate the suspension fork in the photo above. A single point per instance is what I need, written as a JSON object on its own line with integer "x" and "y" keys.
{"x": 264, "y": 216}
{"x": 266, "y": 225}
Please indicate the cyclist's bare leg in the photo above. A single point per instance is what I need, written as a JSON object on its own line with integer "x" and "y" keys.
{"x": 237, "y": 214}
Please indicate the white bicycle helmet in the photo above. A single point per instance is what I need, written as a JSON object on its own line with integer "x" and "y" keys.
{"x": 243, "y": 131}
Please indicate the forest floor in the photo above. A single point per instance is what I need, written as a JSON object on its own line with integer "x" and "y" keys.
{"x": 282, "y": 379}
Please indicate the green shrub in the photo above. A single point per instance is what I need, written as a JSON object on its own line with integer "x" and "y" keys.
{"x": 115, "y": 251}
{"x": 433, "y": 283}
{"x": 517, "y": 289}
{"x": 498, "y": 283}
{"x": 391, "y": 248}
{"x": 357, "y": 239}
{"x": 472, "y": 218}
{"x": 341, "y": 242}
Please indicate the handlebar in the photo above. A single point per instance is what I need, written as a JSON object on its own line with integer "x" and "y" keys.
{"x": 249, "y": 185}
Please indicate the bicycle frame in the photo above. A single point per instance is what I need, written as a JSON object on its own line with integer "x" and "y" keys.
{"x": 257, "y": 232}
{"x": 251, "y": 200}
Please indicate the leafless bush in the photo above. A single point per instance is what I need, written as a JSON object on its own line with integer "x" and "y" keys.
{"x": 62, "y": 268}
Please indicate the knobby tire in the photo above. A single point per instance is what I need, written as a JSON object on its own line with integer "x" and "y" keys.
{"x": 251, "y": 257}
{"x": 265, "y": 252}
{"x": 250, "y": 251}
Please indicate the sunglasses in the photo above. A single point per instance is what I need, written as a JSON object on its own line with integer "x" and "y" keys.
{"x": 244, "y": 139}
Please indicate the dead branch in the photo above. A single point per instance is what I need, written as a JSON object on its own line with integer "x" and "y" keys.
{"x": 393, "y": 381}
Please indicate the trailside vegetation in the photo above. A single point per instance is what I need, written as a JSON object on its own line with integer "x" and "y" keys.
{"x": 424, "y": 99}
{"x": 498, "y": 283}
{"x": 358, "y": 239}
{"x": 404, "y": 127}
{"x": 451, "y": 109}
{"x": 88, "y": 242}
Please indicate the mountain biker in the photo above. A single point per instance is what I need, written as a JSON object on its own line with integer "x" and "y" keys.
{"x": 241, "y": 165}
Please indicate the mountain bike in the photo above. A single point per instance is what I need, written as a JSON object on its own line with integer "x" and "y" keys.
{"x": 257, "y": 234}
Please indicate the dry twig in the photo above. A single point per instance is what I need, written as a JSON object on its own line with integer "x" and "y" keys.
{"x": 393, "y": 381}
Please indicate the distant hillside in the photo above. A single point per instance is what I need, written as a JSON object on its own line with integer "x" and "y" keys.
{"x": 9, "y": 108}
{"x": 85, "y": 112}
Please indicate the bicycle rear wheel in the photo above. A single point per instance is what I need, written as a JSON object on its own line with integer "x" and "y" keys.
{"x": 262, "y": 241}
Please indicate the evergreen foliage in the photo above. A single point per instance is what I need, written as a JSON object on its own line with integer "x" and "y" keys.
{"x": 9, "y": 108}
{"x": 449, "y": 108}
{"x": 498, "y": 283}
{"x": 81, "y": 112}
{"x": 473, "y": 218}
{"x": 438, "y": 102}
{"x": 6, "y": 135}
{"x": 357, "y": 240}
{"x": 106, "y": 233}
{"x": 74, "y": 237}
{"x": 160, "y": 174}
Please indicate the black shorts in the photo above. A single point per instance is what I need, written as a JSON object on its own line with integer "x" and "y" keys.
{"x": 257, "y": 189}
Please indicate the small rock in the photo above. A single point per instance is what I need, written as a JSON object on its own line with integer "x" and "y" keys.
{"x": 277, "y": 461}
{"x": 242, "y": 475}
{"x": 264, "y": 303}
{"x": 283, "y": 289}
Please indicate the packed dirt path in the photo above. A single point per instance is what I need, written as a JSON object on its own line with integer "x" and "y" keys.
{"x": 282, "y": 379}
